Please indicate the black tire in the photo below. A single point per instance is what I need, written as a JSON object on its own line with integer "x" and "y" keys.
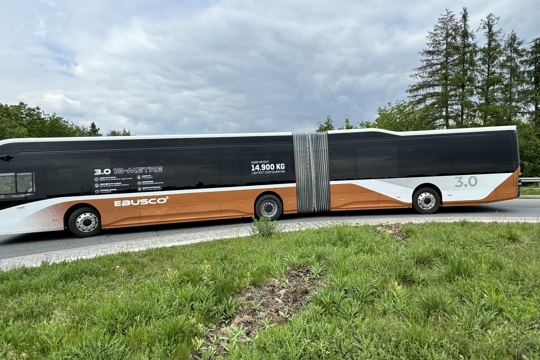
{"x": 268, "y": 206}
{"x": 426, "y": 201}
{"x": 84, "y": 222}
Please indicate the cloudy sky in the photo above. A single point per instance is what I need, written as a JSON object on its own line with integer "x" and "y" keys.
{"x": 223, "y": 66}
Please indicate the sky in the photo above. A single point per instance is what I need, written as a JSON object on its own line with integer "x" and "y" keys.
{"x": 158, "y": 67}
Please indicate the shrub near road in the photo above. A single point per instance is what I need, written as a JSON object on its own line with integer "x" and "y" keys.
{"x": 411, "y": 291}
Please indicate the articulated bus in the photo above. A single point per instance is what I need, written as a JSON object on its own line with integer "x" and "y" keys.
{"x": 88, "y": 184}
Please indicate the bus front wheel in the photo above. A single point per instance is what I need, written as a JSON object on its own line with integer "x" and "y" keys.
{"x": 84, "y": 222}
{"x": 426, "y": 201}
{"x": 268, "y": 206}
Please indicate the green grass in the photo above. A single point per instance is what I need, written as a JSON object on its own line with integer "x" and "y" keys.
{"x": 436, "y": 291}
{"x": 530, "y": 190}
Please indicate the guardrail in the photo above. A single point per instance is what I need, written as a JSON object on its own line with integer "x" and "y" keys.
{"x": 530, "y": 180}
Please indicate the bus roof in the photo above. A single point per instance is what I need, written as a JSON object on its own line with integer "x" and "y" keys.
{"x": 429, "y": 132}
{"x": 141, "y": 137}
{"x": 249, "y": 135}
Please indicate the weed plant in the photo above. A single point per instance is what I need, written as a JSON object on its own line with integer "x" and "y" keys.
{"x": 264, "y": 227}
{"x": 444, "y": 291}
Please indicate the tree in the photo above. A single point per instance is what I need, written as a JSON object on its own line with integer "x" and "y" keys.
{"x": 123, "y": 132}
{"x": 402, "y": 116}
{"x": 9, "y": 126}
{"x": 532, "y": 83}
{"x": 327, "y": 125}
{"x": 464, "y": 73}
{"x": 490, "y": 77}
{"x": 433, "y": 91}
{"x": 56, "y": 126}
{"x": 21, "y": 121}
{"x": 93, "y": 130}
{"x": 347, "y": 125}
{"x": 513, "y": 78}
{"x": 529, "y": 148}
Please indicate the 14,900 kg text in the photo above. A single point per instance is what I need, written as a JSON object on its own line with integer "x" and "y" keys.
{"x": 266, "y": 167}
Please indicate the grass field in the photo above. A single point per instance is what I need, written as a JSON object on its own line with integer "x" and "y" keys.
{"x": 413, "y": 291}
{"x": 530, "y": 190}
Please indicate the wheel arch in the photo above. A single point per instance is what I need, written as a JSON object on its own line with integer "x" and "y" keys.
{"x": 428, "y": 185}
{"x": 74, "y": 208}
{"x": 265, "y": 193}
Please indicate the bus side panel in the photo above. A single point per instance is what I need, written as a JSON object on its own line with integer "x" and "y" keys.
{"x": 212, "y": 205}
{"x": 507, "y": 190}
{"x": 48, "y": 215}
{"x": 143, "y": 209}
{"x": 355, "y": 197}
{"x": 398, "y": 192}
{"x": 39, "y": 216}
{"x": 241, "y": 203}
{"x": 182, "y": 207}
{"x": 111, "y": 215}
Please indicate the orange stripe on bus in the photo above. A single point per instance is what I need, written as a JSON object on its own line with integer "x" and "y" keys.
{"x": 354, "y": 197}
{"x": 212, "y": 205}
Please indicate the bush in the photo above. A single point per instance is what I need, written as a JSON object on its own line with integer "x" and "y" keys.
{"x": 264, "y": 227}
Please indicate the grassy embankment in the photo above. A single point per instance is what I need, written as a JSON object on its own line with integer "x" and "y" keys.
{"x": 530, "y": 190}
{"x": 410, "y": 291}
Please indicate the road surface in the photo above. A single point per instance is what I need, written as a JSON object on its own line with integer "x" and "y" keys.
{"x": 33, "y": 249}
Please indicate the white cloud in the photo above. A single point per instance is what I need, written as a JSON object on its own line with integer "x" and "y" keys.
{"x": 221, "y": 66}
{"x": 59, "y": 102}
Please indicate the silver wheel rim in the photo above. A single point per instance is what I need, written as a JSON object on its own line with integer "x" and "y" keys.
{"x": 426, "y": 201}
{"x": 87, "y": 222}
{"x": 268, "y": 208}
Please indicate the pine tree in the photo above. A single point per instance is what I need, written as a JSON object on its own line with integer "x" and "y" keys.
{"x": 433, "y": 91}
{"x": 513, "y": 78}
{"x": 532, "y": 83}
{"x": 93, "y": 130}
{"x": 465, "y": 73}
{"x": 489, "y": 73}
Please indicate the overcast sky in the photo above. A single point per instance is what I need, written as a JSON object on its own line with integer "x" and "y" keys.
{"x": 223, "y": 66}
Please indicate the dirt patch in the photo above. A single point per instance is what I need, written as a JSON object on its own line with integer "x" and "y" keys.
{"x": 393, "y": 230}
{"x": 267, "y": 305}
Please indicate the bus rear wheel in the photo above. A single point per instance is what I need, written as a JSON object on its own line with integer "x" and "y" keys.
{"x": 268, "y": 206}
{"x": 84, "y": 222}
{"x": 426, "y": 201}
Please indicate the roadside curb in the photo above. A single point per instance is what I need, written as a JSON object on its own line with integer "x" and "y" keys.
{"x": 157, "y": 241}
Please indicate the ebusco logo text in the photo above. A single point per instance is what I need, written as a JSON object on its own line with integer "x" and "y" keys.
{"x": 141, "y": 202}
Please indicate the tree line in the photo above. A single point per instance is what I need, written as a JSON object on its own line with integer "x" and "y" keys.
{"x": 23, "y": 121}
{"x": 463, "y": 82}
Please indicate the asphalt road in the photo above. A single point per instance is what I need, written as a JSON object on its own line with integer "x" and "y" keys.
{"x": 32, "y": 249}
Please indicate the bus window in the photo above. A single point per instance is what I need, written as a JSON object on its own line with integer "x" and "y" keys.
{"x": 74, "y": 176}
{"x": 7, "y": 184}
{"x": 16, "y": 184}
{"x": 377, "y": 161}
{"x": 427, "y": 156}
{"x": 197, "y": 168}
{"x": 25, "y": 183}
